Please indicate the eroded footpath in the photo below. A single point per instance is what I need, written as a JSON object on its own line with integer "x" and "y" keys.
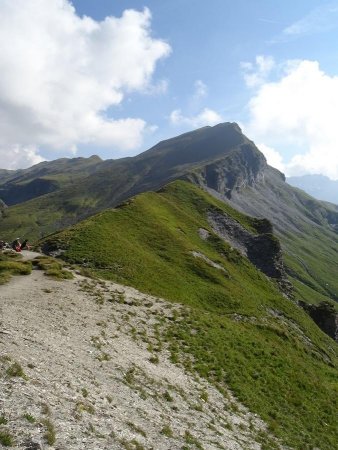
{"x": 83, "y": 366}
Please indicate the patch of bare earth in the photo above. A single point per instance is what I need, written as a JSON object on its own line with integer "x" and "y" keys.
{"x": 95, "y": 374}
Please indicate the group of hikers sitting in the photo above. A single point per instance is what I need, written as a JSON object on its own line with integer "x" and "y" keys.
{"x": 16, "y": 245}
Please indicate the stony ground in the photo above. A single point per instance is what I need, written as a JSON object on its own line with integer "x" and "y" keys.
{"x": 83, "y": 366}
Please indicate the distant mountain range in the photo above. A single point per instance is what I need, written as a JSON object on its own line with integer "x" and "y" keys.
{"x": 319, "y": 186}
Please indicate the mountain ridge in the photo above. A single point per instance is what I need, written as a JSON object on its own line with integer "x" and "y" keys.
{"x": 222, "y": 161}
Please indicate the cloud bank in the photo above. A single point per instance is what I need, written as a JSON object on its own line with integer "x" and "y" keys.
{"x": 59, "y": 74}
{"x": 295, "y": 117}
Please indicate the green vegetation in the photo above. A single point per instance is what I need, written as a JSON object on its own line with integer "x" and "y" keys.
{"x": 167, "y": 431}
{"x": 40, "y": 209}
{"x": 190, "y": 439}
{"x": 53, "y": 268}
{"x": 16, "y": 370}
{"x": 312, "y": 262}
{"x": 10, "y": 264}
{"x": 3, "y": 420}
{"x": 136, "y": 428}
{"x": 30, "y": 418}
{"x": 237, "y": 326}
{"x": 50, "y": 434}
{"x": 6, "y": 439}
{"x": 85, "y": 392}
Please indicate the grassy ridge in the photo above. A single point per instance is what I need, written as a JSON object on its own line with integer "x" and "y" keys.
{"x": 238, "y": 328}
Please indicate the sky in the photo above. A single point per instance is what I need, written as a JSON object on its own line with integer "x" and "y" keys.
{"x": 114, "y": 77}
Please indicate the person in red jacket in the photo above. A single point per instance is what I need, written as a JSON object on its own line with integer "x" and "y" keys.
{"x": 16, "y": 245}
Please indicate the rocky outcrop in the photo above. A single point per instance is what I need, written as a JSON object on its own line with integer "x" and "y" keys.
{"x": 262, "y": 249}
{"x": 243, "y": 167}
{"x": 325, "y": 316}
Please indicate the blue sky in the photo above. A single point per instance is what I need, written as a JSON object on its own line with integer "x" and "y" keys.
{"x": 117, "y": 86}
{"x": 209, "y": 40}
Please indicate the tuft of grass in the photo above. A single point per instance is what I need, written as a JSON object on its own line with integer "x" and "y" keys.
{"x": 167, "y": 396}
{"x": 167, "y": 431}
{"x": 16, "y": 370}
{"x": 84, "y": 392}
{"x": 137, "y": 428}
{"x": 50, "y": 434}
{"x": 29, "y": 418}
{"x": 204, "y": 396}
{"x": 82, "y": 406}
{"x": 53, "y": 268}
{"x": 190, "y": 439}
{"x": 6, "y": 439}
{"x": 103, "y": 356}
{"x": 3, "y": 420}
{"x": 59, "y": 274}
{"x": 154, "y": 359}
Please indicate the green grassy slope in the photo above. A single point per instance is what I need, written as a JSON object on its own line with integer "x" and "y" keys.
{"x": 238, "y": 328}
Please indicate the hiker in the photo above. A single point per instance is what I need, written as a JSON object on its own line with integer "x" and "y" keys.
{"x": 16, "y": 245}
{"x": 25, "y": 245}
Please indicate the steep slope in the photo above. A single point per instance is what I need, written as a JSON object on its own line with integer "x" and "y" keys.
{"x": 306, "y": 227}
{"x": 103, "y": 379}
{"x": 319, "y": 186}
{"x": 237, "y": 327}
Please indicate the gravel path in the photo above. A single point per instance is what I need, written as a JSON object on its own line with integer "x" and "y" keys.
{"x": 92, "y": 378}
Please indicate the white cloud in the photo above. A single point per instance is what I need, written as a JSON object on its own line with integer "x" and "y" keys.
{"x": 205, "y": 117}
{"x": 298, "y": 114}
{"x": 18, "y": 156}
{"x": 59, "y": 74}
{"x": 201, "y": 90}
{"x": 257, "y": 73}
{"x": 273, "y": 158}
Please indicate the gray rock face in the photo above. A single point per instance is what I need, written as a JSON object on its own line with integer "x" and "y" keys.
{"x": 241, "y": 168}
{"x": 325, "y": 316}
{"x": 263, "y": 250}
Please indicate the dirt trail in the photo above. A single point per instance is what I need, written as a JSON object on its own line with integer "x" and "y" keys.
{"x": 91, "y": 374}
